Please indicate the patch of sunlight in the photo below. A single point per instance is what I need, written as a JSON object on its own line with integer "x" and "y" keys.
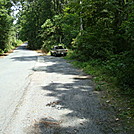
{"x": 84, "y": 90}
{"x": 74, "y": 121}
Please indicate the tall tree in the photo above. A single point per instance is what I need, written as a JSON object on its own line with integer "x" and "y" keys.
{"x": 32, "y": 17}
{"x": 6, "y": 22}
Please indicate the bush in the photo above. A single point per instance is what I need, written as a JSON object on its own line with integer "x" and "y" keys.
{"x": 118, "y": 68}
{"x": 18, "y": 42}
{"x": 121, "y": 66}
{"x": 1, "y": 51}
{"x": 126, "y": 72}
{"x": 6, "y": 50}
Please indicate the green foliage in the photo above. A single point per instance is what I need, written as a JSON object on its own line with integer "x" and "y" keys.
{"x": 49, "y": 30}
{"x": 106, "y": 76}
{"x": 7, "y": 29}
{"x": 107, "y": 36}
{"x": 122, "y": 67}
{"x": 70, "y": 27}
{"x": 32, "y": 18}
{"x": 1, "y": 51}
{"x": 100, "y": 31}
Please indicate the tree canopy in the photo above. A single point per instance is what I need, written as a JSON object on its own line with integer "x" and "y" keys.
{"x": 95, "y": 30}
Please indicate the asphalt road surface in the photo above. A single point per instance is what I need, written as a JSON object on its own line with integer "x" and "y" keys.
{"x": 14, "y": 72}
{"x": 47, "y": 95}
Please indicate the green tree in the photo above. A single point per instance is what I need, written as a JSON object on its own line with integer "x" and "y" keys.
{"x": 33, "y": 17}
{"x": 6, "y": 24}
{"x": 99, "y": 30}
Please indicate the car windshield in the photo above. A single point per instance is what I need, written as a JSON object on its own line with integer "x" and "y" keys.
{"x": 58, "y": 47}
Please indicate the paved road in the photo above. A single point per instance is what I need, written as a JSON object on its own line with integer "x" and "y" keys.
{"x": 47, "y": 95}
{"x": 60, "y": 100}
{"x": 15, "y": 70}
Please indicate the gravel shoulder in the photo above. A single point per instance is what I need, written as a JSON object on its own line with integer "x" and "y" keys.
{"x": 60, "y": 99}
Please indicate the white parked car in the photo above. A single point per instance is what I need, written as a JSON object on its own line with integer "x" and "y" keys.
{"x": 58, "y": 50}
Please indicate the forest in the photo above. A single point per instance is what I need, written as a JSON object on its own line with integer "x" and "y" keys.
{"x": 98, "y": 33}
{"x": 8, "y": 31}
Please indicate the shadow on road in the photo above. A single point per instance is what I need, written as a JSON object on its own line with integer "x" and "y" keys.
{"x": 57, "y": 65}
{"x": 83, "y": 112}
{"x": 22, "y": 47}
{"x": 24, "y": 58}
{"x": 24, "y": 54}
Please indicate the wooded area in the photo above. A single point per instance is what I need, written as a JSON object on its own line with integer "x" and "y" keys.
{"x": 100, "y": 32}
{"x": 8, "y": 38}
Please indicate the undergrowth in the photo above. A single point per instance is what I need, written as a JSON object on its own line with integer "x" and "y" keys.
{"x": 15, "y": 44}
{"x": 113, "y": 95}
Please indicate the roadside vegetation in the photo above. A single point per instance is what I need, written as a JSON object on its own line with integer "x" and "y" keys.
{"x": 114, "y": 97}
{"x": 8, "y": 30}
{"x": 98, "y": 34}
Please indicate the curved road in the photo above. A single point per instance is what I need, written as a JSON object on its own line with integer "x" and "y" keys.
{"x": 15, "y": 70}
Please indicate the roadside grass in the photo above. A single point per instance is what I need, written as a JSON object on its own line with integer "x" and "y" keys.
{"x": 10, "y": 49}
{"x": 113, "y": 97}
